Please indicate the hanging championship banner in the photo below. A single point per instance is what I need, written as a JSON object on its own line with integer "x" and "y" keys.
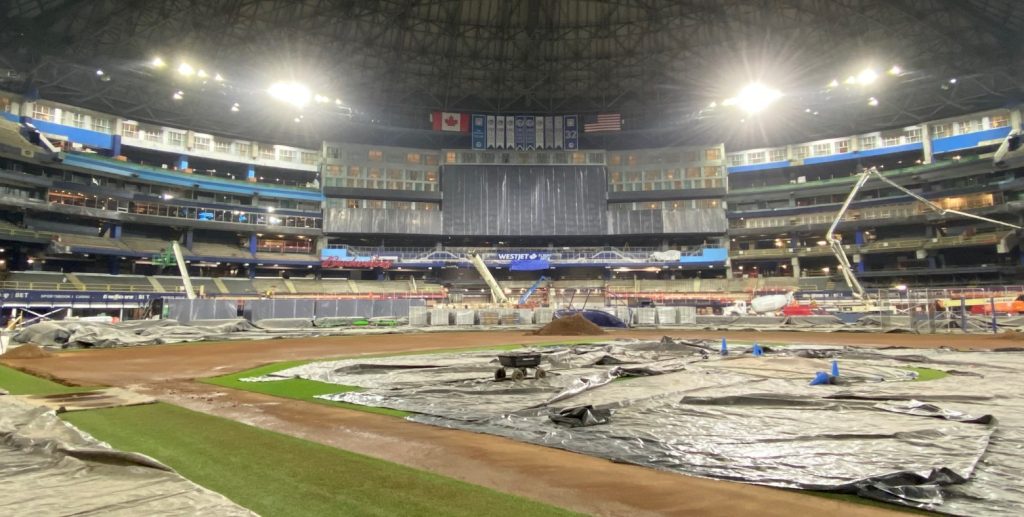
{"x": 520, "y": 132}
{"x": 530, "y": 132}
{"x": 490, "y": 131}
{"x": 499, "y": 133}
{"x": 559, "y": 135}
{"x": 540, "y": 133}
{"x": 479, "y": 132}
{"x": 510, "y": 132}
{"x": 572, "y": 133}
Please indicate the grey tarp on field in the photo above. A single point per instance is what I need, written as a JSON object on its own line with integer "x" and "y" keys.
{"x": 923, "y": 444}
{"x": 48, "y": 467}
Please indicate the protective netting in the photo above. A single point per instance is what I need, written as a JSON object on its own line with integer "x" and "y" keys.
{"x": 952, "y": 444}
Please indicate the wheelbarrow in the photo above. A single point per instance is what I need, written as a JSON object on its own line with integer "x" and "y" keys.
{"x": 518, "y": 364}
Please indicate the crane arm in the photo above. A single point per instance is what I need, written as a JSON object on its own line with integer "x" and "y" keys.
{"x": 497, "y": 294}
{"x": 183, "y": 269}
{"x": 837, "y": 245}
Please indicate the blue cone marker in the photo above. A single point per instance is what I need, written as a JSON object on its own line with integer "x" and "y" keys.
{"x": 725, "y": 349}
{"x": 757, "y": 351}
{"x": 835, "y": 368}
{"x": 820, "y": 378}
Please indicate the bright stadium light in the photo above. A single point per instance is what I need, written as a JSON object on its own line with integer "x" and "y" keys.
{"x": 754, "y": 98}
{"x": 186, "y": 69}
{"x": 157, "y": 62}
{"x": 293, "y": 93}
{"x": 867, "y": 76}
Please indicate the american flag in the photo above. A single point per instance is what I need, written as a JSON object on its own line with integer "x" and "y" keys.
{"x": 603, "y": 122}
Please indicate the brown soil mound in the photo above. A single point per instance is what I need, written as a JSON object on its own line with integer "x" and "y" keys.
{"x": 26, "y": 352}
{"x": 575, "y": 325}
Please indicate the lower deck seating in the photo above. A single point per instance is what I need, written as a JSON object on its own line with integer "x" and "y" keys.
{"x": 36, "y": 280}
{"x": 239, "y": 286}
{"x": 130, "y": 283}
{"x": 215, "y": 250}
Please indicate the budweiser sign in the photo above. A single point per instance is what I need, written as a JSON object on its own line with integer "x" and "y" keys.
{"x": 331, "y": 262}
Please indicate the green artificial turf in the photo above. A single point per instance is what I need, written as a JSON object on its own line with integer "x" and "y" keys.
{"x": 297, "y": 389}
{"x": 278, "y": 475}
{"x": 20, "y": 383}
{"x": 928, "y": 374}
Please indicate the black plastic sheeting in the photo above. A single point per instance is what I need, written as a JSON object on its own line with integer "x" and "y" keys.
{"x": 954, "y": 445}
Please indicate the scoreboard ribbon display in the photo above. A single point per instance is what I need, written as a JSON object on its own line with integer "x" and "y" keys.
{"x": 525, "y": 132}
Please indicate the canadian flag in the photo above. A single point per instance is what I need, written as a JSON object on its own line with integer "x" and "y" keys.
{"x": 449, "y": 121}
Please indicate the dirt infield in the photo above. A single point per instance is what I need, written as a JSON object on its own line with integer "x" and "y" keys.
{"x": 566, "y": 479}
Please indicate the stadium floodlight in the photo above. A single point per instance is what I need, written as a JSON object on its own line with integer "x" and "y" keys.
{"x": 157, "y": 62}
{"x": 895, "y": 70}
{"x": 867, "y": 76}
{"x": 186, "y": 69}
{"x": 293, "y": 93}
{"x": 754, "y": 98}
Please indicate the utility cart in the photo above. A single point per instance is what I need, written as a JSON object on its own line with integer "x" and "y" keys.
{"x": 518, "y": 364}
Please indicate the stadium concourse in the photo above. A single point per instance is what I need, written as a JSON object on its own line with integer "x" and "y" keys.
{"x": 514, "y": 257}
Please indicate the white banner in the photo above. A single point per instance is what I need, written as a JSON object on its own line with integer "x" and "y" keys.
{"x": 490, "y": 131}
{"x": 499, "y": 133}
{"x": 510, "y": 132}
{"x": 559, "y": 137}
{"x": 540, "y": 133}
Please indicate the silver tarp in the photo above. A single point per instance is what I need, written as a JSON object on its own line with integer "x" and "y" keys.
{"x": 504, "y": 199}
{"x": 48, "y": 467}
{"x": 382, "y": 220}
{"x": 185, "y": 310}
{"x": 954, "y": 444}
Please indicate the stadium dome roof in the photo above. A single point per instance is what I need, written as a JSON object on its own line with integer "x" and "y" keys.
{"x": 658, "y": 62}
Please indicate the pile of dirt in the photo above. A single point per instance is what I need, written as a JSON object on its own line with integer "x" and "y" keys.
{"x": 575, "y": 325}
{"x": 26, "y": 352}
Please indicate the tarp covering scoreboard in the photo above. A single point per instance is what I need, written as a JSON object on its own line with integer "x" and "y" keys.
{"x": 525, "y": 132}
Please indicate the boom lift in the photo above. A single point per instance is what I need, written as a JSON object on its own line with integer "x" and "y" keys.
{"x": 837, "y": 245}
{"x": 533, "y": 288}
